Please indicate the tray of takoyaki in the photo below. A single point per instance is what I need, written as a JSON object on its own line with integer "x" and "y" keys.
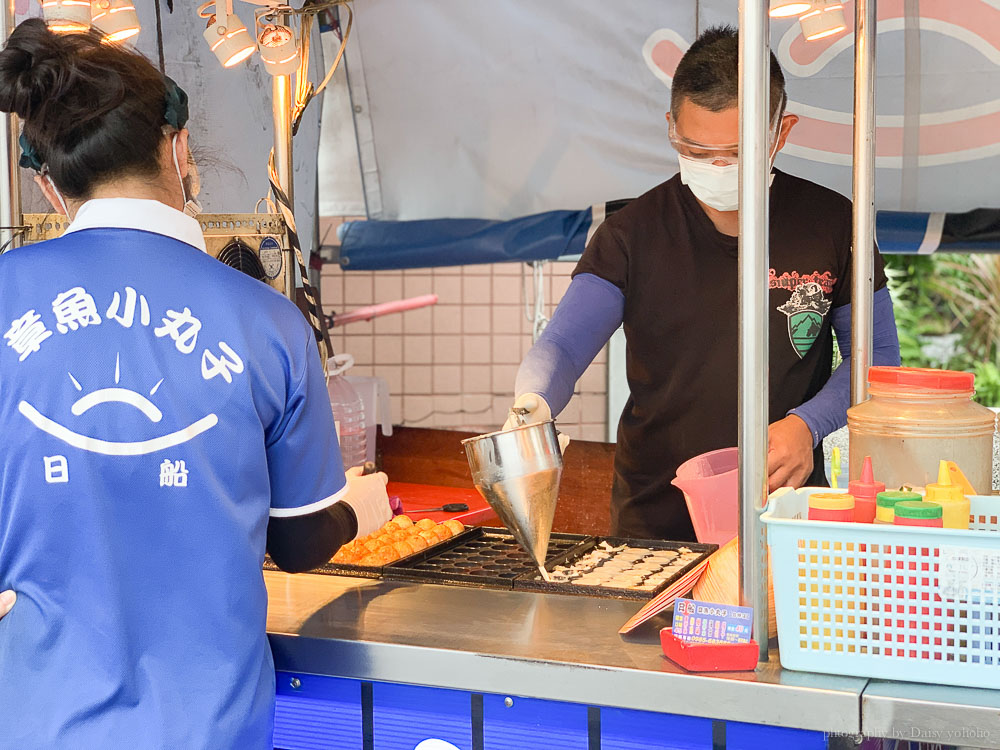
{"x": 617, "y": 568}
{"x": 482, "y": 557}
{"x": 399, "y": 539}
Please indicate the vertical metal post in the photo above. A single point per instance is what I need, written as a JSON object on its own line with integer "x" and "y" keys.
{"x": 863, "y": 240}
{"x": 10, "y": 179}
{"x": 281, "y": 101}
{"x": 754, "y": 110}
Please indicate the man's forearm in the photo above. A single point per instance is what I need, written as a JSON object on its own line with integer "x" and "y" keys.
{"x": 827, "y": 410}
{"x": 589, "y": 313}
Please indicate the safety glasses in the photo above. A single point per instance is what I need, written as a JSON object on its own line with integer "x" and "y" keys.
{"x": 723, "y": 155}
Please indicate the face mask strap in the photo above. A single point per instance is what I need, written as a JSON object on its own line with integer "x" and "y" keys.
{"x": 191, "y": 205}
{"x": 44, "y": 171}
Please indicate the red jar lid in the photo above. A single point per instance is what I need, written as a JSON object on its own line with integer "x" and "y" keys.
{"x": 920, "y": 377}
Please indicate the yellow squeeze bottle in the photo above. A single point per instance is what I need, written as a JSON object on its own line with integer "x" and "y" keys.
{"x": 954, "y": 504}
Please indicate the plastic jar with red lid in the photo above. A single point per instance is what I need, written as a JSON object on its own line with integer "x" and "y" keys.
{"x": 913, "y": 418}
{"x": 831, "y": 506}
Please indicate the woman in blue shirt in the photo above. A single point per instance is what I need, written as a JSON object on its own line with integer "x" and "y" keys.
{"x": 166, "y": 420}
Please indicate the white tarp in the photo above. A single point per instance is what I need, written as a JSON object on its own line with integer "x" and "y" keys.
{"x": 498, "y": 110}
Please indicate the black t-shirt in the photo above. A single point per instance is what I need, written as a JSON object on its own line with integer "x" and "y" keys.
{"x": 679, "y": 276}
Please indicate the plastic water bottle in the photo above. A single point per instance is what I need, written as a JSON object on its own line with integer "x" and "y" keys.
{"x": 348, "y": 411}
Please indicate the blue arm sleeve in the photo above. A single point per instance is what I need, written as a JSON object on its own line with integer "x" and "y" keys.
{"x": 589, "y": 313}
{"x": 827, "y": 410}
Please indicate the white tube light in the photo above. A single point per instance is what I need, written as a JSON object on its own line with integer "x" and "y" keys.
{"x": 66, "y": 16}
{"x": 115, "y": 19}
{"x": 278, "y": 50}
{"x": 226, "y": 35}
{"x": 788, "y": 8}
{"x": 825, "y": 19}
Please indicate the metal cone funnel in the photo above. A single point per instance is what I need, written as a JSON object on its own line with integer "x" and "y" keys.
{"x": 518, "y": 471}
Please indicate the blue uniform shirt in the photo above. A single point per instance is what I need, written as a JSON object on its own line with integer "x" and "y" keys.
{"x": 156, "y": 406}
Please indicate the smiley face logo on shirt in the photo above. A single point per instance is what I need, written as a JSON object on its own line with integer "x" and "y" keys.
{"x": 119, "y": 395}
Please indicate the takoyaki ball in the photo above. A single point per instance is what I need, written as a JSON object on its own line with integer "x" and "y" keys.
{"x": 403, "y": 548}
{"x": 442, "y": 532}
{"x": 417, "y": 542}
{"x": 429, "y": 536}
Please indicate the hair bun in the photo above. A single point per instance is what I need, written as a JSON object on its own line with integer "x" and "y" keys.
{"x": 32, "y": 69}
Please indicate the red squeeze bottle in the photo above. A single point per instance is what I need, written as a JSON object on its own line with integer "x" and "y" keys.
{"x": 865, "y": 492}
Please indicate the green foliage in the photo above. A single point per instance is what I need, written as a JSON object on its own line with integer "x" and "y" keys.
{"x": 947, "y": 311}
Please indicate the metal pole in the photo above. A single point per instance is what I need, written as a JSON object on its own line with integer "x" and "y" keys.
{"x": 10, "y": 180}
{"x": 281, "y": 100}
{"x": 864, "y": 197}
{"x": 754, "y": 109}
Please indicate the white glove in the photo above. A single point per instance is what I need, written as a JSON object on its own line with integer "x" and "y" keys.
{"x": 368, "y": 499}
{"x": 7, "y": 599}
{"x": 535, "y": 409}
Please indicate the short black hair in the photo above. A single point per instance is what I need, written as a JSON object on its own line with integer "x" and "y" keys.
{"x": 708, "y": 74}
{"x": 91, "y": 111}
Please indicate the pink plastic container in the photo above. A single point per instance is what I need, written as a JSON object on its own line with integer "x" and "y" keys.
{"x": 710, "y": 483}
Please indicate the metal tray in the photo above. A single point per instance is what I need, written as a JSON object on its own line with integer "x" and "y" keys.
{"x": 483, "y": 557}
{"x": 366, "y": 571}
{"x": 531, "y": 581}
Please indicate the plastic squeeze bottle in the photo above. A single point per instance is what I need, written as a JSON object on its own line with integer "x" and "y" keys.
{"x": 865, "y": 491}
{"x": 953, "y": 502}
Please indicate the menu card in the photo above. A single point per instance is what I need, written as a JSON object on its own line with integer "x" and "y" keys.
{"x": 706, "y": 622}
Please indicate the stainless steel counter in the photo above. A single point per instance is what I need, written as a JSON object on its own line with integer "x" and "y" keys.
{"x": 533, "y": 645}
{"x": 932, "y": 713}
{"x": 568, "y": 649}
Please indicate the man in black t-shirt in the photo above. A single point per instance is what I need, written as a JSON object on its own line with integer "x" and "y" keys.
{"x": 666, "y": 266}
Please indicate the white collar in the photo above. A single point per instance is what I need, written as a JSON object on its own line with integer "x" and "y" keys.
{"x": 138, "y": 213}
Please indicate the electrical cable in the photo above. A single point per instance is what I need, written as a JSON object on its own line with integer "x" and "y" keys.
{"x": 16, "y": 233}
{"x": 312, "y": 307}
{"x": 534, "y": 310}
{"x": 159, "y": 38}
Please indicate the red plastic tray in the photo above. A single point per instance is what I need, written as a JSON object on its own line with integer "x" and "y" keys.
{"x": 431, "y": 496}
{"x": 709, "y": 657}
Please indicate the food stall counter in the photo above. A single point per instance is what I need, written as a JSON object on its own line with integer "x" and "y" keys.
{"x": 542, "y": 653}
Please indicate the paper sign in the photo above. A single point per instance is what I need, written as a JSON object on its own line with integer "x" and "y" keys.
{"x": 705, "y": 622}
{"x": 969, "y": 572}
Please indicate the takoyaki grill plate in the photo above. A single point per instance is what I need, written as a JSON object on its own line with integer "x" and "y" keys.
{"x": 656, "y": 565}
{"x": 484, "y": 558}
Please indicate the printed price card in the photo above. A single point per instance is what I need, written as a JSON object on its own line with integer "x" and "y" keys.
{"x": 705, "y": 622}
{"x": 969, "y": 573}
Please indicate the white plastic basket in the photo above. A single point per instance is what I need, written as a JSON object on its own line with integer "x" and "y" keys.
{"x": 889, "y": 602}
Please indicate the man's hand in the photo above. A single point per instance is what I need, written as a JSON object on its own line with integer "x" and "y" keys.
{"x": 7, "y": 599}
{"x": 534, "y": 408}
{"x": 789, "y": 453}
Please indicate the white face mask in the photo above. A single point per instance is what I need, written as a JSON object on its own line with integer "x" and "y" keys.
{"x": 714, "y": 185}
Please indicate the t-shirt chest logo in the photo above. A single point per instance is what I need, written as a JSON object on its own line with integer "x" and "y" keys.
{"x": 806, "y": 308}
{"x": 76, "y": 310}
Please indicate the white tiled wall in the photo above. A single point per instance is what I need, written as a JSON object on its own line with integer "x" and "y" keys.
{"x": 453, "y": 365}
